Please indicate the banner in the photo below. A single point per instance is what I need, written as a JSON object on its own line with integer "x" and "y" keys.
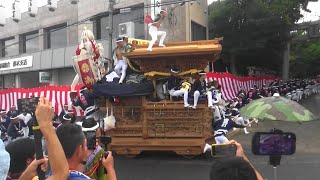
{"x": 231, "y": 84}
{"x": 57, "y": 95}
{"x": 140, "y": 41}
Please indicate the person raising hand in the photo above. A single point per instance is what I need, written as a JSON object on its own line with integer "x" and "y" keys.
{"x": 57, "y": 159}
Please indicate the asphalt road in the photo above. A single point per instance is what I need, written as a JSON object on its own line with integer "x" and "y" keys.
{"x": 303, "y": 165}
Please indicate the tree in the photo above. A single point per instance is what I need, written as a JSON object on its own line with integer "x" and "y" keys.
{"x": 305, "y": 58}
{"x": 254, "y": 30}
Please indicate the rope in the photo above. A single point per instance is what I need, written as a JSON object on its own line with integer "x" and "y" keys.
{"x": 131, "y": 66}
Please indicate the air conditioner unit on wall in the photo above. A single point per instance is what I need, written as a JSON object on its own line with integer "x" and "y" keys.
{"x": 52, "y": 5}
{"x": 32, "y": 8}
{"x": 2, "y": 15}
{"x": 16, "y": 11}
{"x": 126, "y": 29}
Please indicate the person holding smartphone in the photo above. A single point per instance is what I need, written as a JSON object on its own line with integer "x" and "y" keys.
{"x": 237, "y": 167}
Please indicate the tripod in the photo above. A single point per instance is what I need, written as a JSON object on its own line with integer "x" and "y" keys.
{"x": 274, "y": 160}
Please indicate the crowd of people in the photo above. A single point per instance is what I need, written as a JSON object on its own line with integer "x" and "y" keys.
{"x": 227, "y": 117}
{"x": 70, "y": 152}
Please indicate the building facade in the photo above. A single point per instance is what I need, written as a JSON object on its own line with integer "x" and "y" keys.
{"x": 37, "y": 51}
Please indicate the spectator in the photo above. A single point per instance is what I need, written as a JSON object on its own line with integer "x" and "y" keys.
{"x": 15, "y": 129}
{"x": 235, "y": 168}
{"x": 90, "y": 126}
{"x": 4, "y": 118}
{"x": 26, "y": 117}
{"x": 57, "y": 158}
{"x": 74, "y": 145}
{"x": 22, "y": 153}
{"x": 63, "y": 112}
{"x": 12, "y": 110}
{"x": 4, "y": 161}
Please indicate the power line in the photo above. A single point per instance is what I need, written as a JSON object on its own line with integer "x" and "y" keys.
{"x": 117, "y": 11}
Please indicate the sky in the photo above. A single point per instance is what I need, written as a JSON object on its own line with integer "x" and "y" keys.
{"x": 313, "y": 16}
{"x": 313, "y": 6}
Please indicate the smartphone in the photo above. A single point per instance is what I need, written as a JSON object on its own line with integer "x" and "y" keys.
{"x": 91, "y": 139}
{"x": 269, "y": 143}
{"x": 223, "y": 150}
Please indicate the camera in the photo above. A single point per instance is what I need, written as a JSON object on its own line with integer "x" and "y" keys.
{"x": 274, "y": 143}
{"x": 223, "y": 150}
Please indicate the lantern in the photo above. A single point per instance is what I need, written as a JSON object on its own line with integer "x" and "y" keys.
{"x": 74, "y": 1}
{"x": 52, "y": 5}
{"x": 16, "y": 11}
{"x": 2, "y": 15}
{"x": 32, "y": 8}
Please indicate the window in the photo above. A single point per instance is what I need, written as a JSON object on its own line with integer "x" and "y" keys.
{"x": 136, "y": 15}
{"x": 31, "y": 42}
{"x": 9, "y": 47}
{"x": 57, "y": 37}
{"x": 198, "y": 32}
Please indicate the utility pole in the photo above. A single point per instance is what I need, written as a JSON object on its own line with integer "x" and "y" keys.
{"x": 111, "y": 11}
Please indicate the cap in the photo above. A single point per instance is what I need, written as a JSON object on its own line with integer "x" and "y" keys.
{"x": 174, "y": 70}
{"x": 88, "y": 125}
{"x": 235, "y": 109}
{"x": 119, "y": 40}
{"x": 66, "y": 117}
{"x": 2, "y": 111}
{"x": 202, "y": 73}
{"x": 123, "y": 37}
{"x": 228, "y": 113}
{"x": 276, "y": 95}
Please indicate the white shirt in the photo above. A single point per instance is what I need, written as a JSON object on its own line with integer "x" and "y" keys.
{"x": 25, "y": 118}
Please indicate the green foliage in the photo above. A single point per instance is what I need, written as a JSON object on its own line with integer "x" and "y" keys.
{"x": 305, "y": 58}
{"x": 254, "y": 28}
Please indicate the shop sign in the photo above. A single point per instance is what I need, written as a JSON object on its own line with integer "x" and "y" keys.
{"x": 44, "y": 77}
{"x": 16, "y": 63}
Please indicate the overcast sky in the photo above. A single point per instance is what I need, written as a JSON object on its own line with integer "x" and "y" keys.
{"x": 313, "y": 16}
{"x": 313, "y": 6}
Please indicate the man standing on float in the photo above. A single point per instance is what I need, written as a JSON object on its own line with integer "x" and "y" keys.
{"x": 153, "y": 30}
{"x": 120, "y": 61}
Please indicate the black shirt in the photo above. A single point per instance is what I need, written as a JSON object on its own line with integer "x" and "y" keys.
{"x": 198, "y": 86}
{"x": 174, "y": 83}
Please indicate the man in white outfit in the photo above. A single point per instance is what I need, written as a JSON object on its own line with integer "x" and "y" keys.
{"x": 199, "y": 87}
{"x": 25, "y": 117}
{"x": 174, "y": 86}
{"x": 153, "y": 30}
{"x": 239, "y": 119}
{"x": 120, "y": 61}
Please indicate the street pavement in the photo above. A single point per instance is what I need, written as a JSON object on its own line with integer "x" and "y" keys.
{"x": 303, "y": 165}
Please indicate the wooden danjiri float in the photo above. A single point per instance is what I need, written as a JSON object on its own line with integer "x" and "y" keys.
{"x": 142, "y": 125}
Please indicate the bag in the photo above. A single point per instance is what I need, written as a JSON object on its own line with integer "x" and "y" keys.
{"x": 109, "y": 122}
